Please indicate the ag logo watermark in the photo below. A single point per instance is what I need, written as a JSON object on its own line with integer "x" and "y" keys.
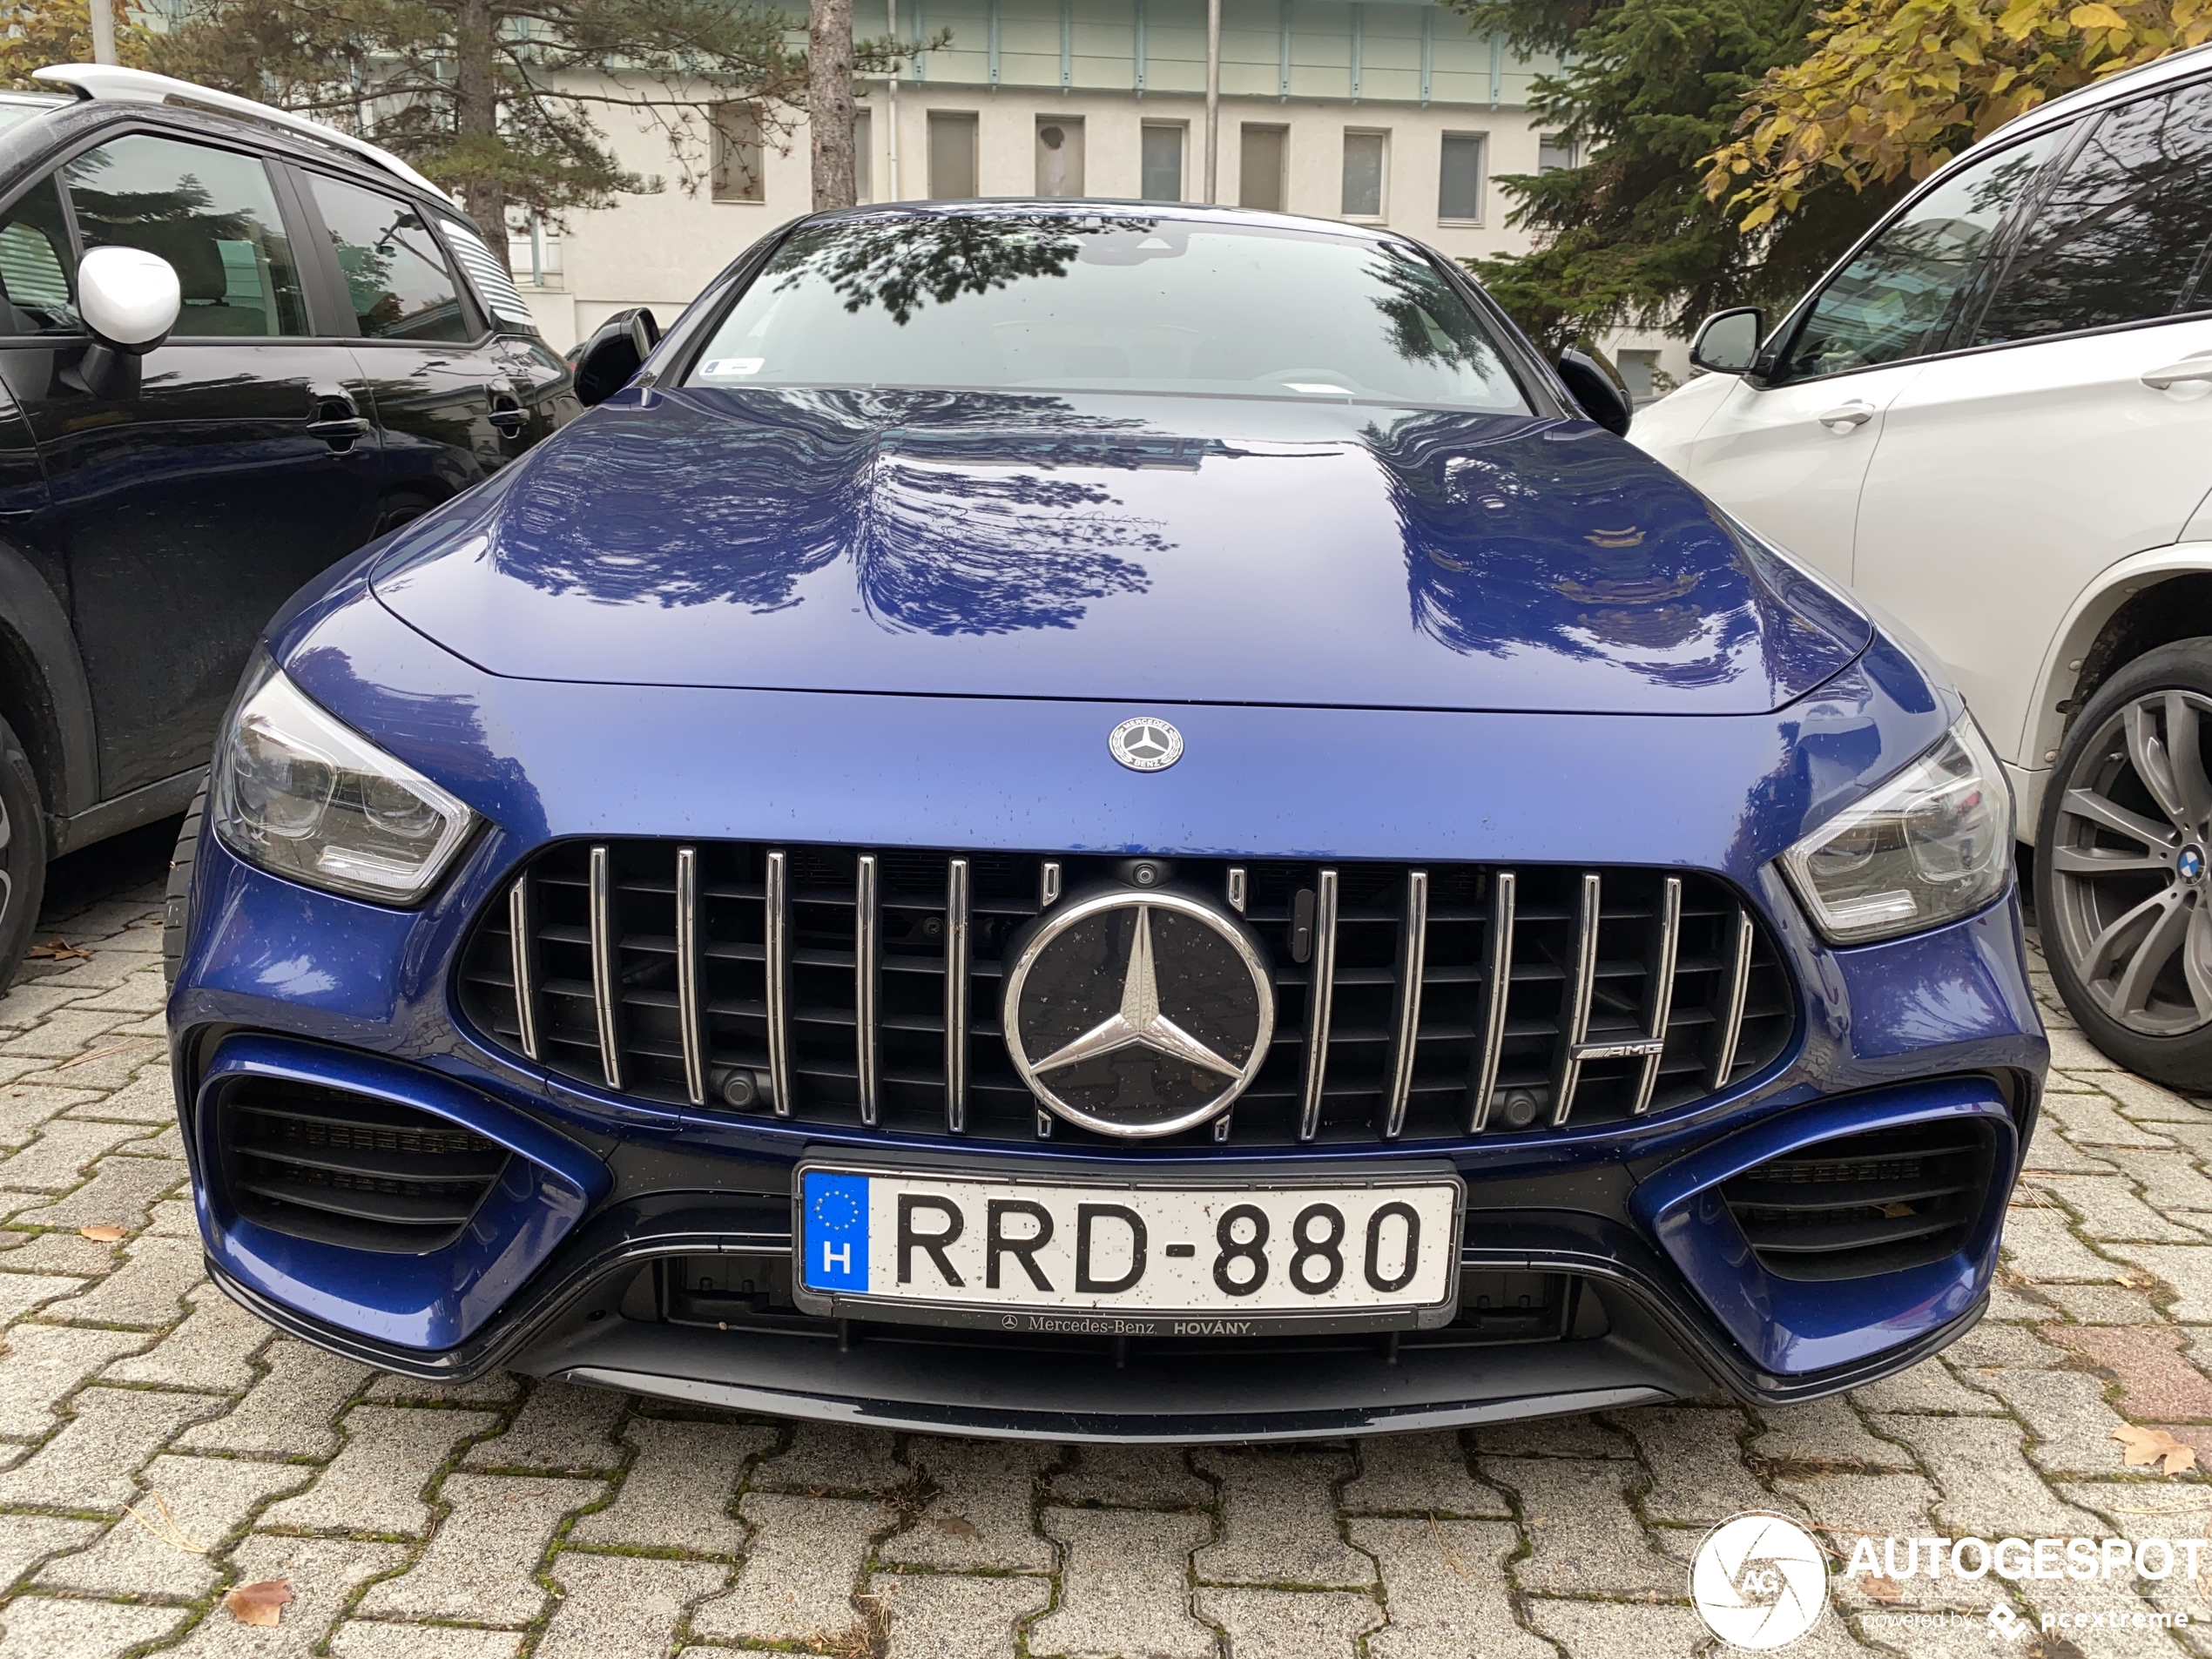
{"x": 1759, "y": 1582}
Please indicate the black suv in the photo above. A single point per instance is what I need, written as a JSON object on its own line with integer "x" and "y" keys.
{"x": 346, "y": 352}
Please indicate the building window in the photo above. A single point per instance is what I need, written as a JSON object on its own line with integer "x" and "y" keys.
{"x": 1259, "y": 168}
{"x": 1060, "y": 156}
{"x": 1639, "y": 371}
{"x": 863, "y": 153}
{"x": 1163, "y": 176}
{"x": 1364, "y": 156}
{"x": 1458, "y": 188}
{"x": 736, "y": 153}
{"x": 1554, "y": 152}
{"x": 952, "y": 156}
{"x": 533, "y": 251}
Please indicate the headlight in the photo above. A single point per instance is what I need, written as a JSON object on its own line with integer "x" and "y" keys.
{"x": 304, "y": 797}
{"x": 1933, "y": 844}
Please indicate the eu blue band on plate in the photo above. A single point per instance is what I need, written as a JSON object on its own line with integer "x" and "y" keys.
{"x": 837, "y": 1231}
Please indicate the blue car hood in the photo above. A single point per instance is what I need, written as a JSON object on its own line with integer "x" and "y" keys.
{"x": 1171, "y": 550}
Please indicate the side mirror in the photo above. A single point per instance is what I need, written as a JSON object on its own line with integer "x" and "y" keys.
{"x": 1728, "y": 341}
{"x": 606, "y": 362}
{"x": 1601, "y": 395}
{"x": 130, "y": 298}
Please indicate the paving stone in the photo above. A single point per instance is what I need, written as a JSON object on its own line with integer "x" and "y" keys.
{"x": 2048, "y": 1150}
{"x": 1576, "y": 1437}
{"x": 119, "y": 1194}
{"x": 619, "y": 1607}
{"x": 2109, "y": 1210}
{"x": 481, "y": 1562}
{"x": 375, "y": 1485}
{"x": 289, "y": 1410}
{"x": 1695, "y": 1459}
{"x": 1825, "y": 1431}
{"x": 43, "y": 1365}
{"x": 2070, "y": 1050}
{"x": 798, "y": 1577}
{"x": 2101, "y": 1304}
{"x": 2156, "y": 1384}
{"x": 1424, "y": 1474}
{"x": 2038, "y": 1244}
{"x": 2019, "y": 1303}
{"x": 205, "y": 1500}
{"x": 2093, "y": 1120}
{"x": 27, "y": 1540}
{"x": 21, "y": 1292}
{"x": 173, "y": 1218}
{"x": 1122, "y": 1591}
{"x": 363, "y": 1639}
{"x": 829, "y": 1457}
{"x": 63, "y": 1035}
{"x": 979, "y": 1519}
{"x": 1446, "y": 1586}
{"x": 2171, "y": 1181}
{"x": 2072, "y": 1424}
{"x": 28, "y": 1003}
{"x": 493, "y": 1388}
{"x": 323, "y": 1573}
{"x": 1583, "y": 1535}
{"x": 149, "y": 1097}
{"x": 40, "y": 1626}
{"x": 144, "y": 992}
{"x": 943, "y": 1615}
{"x": 1992, "y": 1347}
{"x": 2186, "y": 1268}
{"x": 2150, "y": 1102}
{"x": 1290, "y": 1624}
{"x": 1136, "y": 1477}
{"x": 1879, "y": 1506}
{"x": 561, "y": 1428}
{"x": 62, "y": 1252}
{"x": 1617, "y": 1630}
{"x": 148, "y": 1290}
{"x": 1989, "y": 1487}
{"x": 88, "y": 1464}
{"x": 62, "y": 1155}
{"x": 680, "y": 1489}
{"x": 213, "y": 1349}
{"x": 1279, "y": 1519}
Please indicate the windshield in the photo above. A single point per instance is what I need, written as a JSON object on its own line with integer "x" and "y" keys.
{"x": 1115, "y": 302}
{"x": 13, "y": 109}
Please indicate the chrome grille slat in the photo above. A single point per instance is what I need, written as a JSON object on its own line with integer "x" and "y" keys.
{"x": 1435, "y": 1001}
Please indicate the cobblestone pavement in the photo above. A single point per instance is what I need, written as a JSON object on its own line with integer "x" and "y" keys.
{"x": 158, "y": 1447}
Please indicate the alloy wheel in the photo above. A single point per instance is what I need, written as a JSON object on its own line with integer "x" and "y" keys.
{"x": 2128, "y": 865}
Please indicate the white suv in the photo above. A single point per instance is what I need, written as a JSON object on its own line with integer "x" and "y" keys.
{"x": 1994, "y": 419}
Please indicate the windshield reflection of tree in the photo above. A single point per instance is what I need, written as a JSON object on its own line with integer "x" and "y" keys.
{"x": 970, "y": 534}
{"x": 903, "y": 263}
{"x": 1513, "y": 536}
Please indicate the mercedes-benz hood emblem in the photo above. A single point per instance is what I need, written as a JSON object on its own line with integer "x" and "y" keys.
{"x": 1139, "y": 1014}
{"x": 1146, "y": 743}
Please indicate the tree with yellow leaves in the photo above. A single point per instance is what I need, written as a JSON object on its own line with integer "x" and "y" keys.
{"x": 1893, "y": 88}
{"x": 34, "y": 33}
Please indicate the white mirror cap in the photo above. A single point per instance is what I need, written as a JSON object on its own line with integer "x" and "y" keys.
{"x": 128, "y": 297}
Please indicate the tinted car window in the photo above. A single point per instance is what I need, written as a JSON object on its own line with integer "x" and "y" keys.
{"x": 402, "y": 287}
{"x": 1899, "y": 296}
{"x": 1109, "y": 302}
{"x": 35, "y": 264}
{"x": 2123, "y": 230}
{"x": 211, "y": 213}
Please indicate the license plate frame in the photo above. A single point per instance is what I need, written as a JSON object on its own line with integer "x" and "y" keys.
{"x": 1137, "y": 1321}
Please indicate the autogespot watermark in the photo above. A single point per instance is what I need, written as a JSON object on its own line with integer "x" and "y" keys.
{"x": 1760, "y": 1581}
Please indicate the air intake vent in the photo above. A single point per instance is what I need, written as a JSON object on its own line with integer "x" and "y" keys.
{"x": 843, "y": 987}
{"x": 1864, "y": 1204}
{"x": 346, "y": 1168}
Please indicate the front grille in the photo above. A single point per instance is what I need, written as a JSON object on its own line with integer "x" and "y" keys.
{"x": 348, "y": 1168}
{"x": 1863, "y": 1205}
{"x": 858, "y": 989}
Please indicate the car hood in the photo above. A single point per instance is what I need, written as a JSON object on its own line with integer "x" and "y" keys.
{"x": 1179, "y": 550}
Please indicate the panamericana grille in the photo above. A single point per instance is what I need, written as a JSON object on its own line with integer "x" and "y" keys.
{"x": 860, "y": 988}
{"x": 1867, "y": 1203}
{"x": 346, "y": 1168}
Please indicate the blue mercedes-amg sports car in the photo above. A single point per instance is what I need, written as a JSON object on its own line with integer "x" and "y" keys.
{"x": 1101, "y": 821}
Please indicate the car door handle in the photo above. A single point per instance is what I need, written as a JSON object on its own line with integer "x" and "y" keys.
{"x": 2190, "y": 371}
{"x": 1845, "y": 417}
{"x": 337, "y": 423}
{"x": 506, "y": 412}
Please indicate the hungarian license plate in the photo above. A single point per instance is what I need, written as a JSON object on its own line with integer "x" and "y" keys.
{"x": 1127, "y": 1259}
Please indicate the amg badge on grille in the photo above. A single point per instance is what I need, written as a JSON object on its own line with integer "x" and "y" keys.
{"x": 1139, "y": 1015}
{"x": 1146, "y": 743}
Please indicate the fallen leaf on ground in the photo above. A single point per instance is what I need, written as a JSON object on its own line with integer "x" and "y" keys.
{"x": 58, "y": 950}
{"x": 261, "y": 1604}
{"x": 956, "y": 1527}
{"x": 1884, "y": 1590}
{"x": 2154, "y": 1445}
{"x": 103, "y": 1233}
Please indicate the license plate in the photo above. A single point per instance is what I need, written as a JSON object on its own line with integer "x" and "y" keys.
{"x": 1118, "y": 1257}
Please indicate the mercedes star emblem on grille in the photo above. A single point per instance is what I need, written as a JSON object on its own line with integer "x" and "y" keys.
{"x": 1146, "y": 743}
{"x": 1139, "y": 1015}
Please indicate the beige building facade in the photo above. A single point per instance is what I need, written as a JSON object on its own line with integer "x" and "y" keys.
{"x": 1371, "y": 113}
